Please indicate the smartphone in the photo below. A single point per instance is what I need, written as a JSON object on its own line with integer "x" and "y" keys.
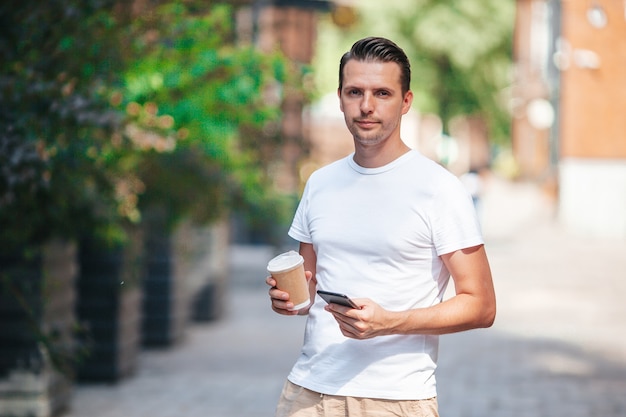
{"x": 341, "y": 299}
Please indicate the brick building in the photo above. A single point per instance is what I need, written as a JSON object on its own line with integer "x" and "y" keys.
{"x": 569, "y": 96}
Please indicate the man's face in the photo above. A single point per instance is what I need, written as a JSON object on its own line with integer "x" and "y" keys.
{"x": 372, "y": 102}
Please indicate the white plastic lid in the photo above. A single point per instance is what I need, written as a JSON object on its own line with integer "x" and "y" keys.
{"x": 285, "y": 261}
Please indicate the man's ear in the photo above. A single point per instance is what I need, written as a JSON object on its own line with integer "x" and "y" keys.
{"x": 408, "y": 100}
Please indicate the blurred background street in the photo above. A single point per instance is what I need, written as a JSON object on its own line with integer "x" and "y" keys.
{"x": 152, "y": 153}
{"x": 557, "y": 348}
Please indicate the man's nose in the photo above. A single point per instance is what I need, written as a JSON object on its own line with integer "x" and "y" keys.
{"x": 367, "y": 103}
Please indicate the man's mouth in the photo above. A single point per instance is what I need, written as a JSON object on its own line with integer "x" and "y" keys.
{"x": 366, "y": 123}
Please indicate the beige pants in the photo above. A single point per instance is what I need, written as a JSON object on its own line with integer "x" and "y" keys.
{"x": 296, "y": 401}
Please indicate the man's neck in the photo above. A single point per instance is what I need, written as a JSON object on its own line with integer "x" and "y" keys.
{"x": 381, "y": 155}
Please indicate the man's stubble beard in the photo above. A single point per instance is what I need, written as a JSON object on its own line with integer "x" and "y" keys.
{"x": 370, "y": 138}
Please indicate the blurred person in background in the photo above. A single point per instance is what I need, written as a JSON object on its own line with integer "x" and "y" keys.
{"x": 474, "y": 183}
{"x": 388, "y": 227}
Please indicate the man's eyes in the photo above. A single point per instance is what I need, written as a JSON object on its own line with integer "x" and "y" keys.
{"x": 381, "y": 93}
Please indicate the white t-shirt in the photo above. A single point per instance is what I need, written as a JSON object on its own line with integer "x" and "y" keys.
{"x": 378, "y": 234}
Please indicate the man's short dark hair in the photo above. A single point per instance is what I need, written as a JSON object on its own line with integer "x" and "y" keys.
{"x": 374, "y": 49}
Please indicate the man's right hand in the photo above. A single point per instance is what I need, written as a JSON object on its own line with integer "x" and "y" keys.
{"x": 280, "y": 299}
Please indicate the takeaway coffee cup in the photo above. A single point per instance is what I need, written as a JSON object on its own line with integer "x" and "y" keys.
{"x": 288, "y": 271}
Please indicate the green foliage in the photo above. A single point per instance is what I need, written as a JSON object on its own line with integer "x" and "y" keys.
{"x": 104, "y": 115}
{"x": 464, "y": 49}
{"x": 57, "y": 58}
{"x": 190, "y": 86}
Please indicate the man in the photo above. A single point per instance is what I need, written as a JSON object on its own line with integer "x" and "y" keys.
{"x": 388, "y": 227}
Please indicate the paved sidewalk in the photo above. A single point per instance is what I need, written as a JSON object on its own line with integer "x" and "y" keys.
{"x": 557, "y": 349}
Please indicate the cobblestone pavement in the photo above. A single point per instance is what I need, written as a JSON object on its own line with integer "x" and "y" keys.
{"x": 557, "y": 349}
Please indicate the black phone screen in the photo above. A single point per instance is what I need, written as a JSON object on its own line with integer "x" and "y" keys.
{"x": 341, "y": 299}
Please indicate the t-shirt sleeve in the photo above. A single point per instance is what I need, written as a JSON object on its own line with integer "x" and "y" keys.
{"x": 455, "y": 224}
{"x": 299, "y": 229}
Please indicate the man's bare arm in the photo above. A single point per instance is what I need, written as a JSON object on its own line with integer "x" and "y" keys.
{"x": 472, "y": 306}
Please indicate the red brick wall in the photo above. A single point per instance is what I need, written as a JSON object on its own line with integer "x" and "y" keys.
{"x": 593, "y": 101}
